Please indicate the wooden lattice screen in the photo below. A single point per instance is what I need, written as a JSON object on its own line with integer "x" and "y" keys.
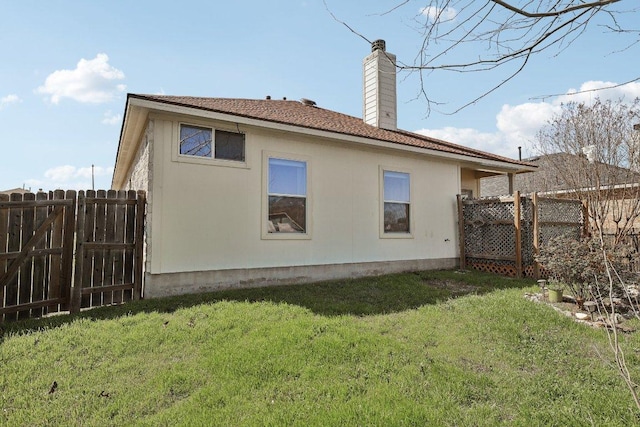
{"x": 503, "y": 234}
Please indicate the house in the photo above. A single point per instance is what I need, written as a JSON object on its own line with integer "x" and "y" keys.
{"x": 15, "y": 190}
{"x": 566, "y": 175}
{"x": 546, "y": 179}
{"x": 245, "y": 192}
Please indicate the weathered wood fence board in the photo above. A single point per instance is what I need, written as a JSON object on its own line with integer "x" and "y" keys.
{"x": 32, "y": 234}
{"x": 39, "y": 233}
{"x": 503, "y": 235}
{"x": 106, "y": 247}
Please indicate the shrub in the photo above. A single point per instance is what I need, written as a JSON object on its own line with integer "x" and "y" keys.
{"x": 579, "y": 264}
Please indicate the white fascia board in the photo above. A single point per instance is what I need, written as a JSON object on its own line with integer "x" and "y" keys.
{"x": 132, "y": 127}
{"x": 486, "y": 164}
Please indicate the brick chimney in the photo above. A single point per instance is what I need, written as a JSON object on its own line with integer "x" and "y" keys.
{"x": 379, "y": 95}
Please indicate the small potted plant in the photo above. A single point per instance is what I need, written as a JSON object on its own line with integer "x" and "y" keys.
{"x": 570, "y": 263}
{"x": 555, "y": 291}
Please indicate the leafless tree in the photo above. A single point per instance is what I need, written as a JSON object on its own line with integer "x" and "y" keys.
{"x": 599, "y": 161}
{"x": 599, "y": 164}
{"x": 500, "y": 35}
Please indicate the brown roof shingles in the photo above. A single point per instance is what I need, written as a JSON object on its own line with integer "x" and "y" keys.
{"x": 312, "y": 117}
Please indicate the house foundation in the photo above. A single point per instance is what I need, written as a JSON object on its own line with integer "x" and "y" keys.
{"x": 169, "y": 284}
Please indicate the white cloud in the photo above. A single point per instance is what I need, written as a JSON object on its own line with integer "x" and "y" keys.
{"x": 60, "y": 173}
{"x": 593, "y": 89}
{"x": 435, "y": 13}
{"x": 92, "y": 81}
{"x": 520, "y": 123}
{"x": 111, "y": 119}
{"x": 517, "y": 125}
{"x": 69, "y": 177}
{"x": 485, "y": 141}
{"x": 8, "y": 100}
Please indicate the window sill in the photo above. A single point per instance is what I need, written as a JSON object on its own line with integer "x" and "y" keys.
{"x": 398, "y": 235}
{"x": 210, "y": 161}
{"x": 286, "y": 236}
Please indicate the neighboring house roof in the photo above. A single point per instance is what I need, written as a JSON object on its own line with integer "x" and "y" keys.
{"x": 305, "y": 116}
{"x": 15, "y": 190}
{"x": 547, "y": 179}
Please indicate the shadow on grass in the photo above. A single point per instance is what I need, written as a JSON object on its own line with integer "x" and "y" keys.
{"x": 356, "y": 297}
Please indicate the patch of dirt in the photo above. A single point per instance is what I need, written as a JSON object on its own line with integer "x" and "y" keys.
{"x": 453, "y": 286}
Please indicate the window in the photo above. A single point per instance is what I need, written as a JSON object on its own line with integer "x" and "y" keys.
{"x": 397, "y": 202}
{"x": 229, "y": 145}
{"x": 287, "y": 194}
{"x": 197, "y": 141}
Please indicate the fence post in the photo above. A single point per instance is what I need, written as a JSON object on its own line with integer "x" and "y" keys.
{"x": 463, "y": 257}
{"x": 518, "y": 232}
{"x": 69, "y": 233}
{"x": 4, "y": 219}
{"x": 585, "y": 218}
{"x": 13, "y": 245}
{"x": 76, "y": 290}
{"x": 139, "y": 247}
{"x": 40, "y": 267}
{"x": 536, "y": 235}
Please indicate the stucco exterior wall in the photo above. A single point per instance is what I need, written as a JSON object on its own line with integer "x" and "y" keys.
{"x": 469, "y": 182}
{"x": 140, "y": 178}
{"x": 208, "y": 217}
{"x": 140, "y": 171}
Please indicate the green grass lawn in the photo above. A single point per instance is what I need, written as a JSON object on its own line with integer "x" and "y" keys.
{"x": 429, "y": 348}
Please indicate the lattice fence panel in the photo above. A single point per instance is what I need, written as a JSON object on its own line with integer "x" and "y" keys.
{"x": 526, "y": 230}
{"x": 559, "y": 210}
{"x": 489, "y": 228}
{"x": 503, "y": 268}
{"x": 559, "y": 217}
{"x": 548, "y": 232}
{"x": 490, "y": 234}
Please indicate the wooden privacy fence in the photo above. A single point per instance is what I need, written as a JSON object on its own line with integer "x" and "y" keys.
{"x": 503, "y": 235}
{"x": 63, "y": 251}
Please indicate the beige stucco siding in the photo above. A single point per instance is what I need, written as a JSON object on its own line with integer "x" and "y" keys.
{"x": 139, "y": 174}
{"x": 139, "y": 178}
{"x": 209, "y": 217}
{"x": 469, "y": 181}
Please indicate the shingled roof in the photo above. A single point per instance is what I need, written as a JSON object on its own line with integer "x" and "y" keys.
{"x": 547, "y": 179}
{"x": 310, "y": 116}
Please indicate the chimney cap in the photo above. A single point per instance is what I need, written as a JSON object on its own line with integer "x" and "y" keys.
{"x": 378, "y": 45}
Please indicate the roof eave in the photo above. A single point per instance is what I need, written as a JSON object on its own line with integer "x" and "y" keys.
{"x": 144, "y": 104}
{"x": 133, "y": 124}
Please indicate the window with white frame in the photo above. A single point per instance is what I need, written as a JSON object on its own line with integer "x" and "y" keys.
{"x": 199, "y": 141}
{"x": 397, "y": 202}
{"x": 287, "y": 196}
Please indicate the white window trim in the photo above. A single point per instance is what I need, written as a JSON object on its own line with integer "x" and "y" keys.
{"x": 265, "y": 235}
{"x": 211, "y": 161}
{"x": 383, "y": 235}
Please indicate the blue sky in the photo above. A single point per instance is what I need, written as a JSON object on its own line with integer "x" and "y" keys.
{"x": 66, "y": 66}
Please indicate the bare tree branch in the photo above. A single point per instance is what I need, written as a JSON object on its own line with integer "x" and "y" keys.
{"x": 594, "y": 149}
{"x": 569, "y": 9}
{"x": 344, "y": 23}
{"x": 503, "y": 36}
{"x": 613, "y": 86}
